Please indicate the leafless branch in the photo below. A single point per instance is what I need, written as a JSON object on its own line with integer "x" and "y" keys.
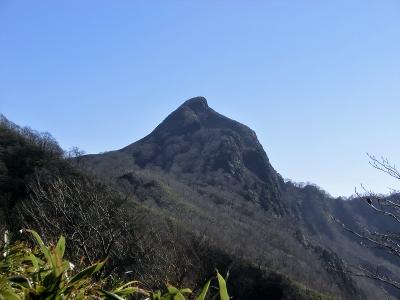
{"x": 384, "y": 165}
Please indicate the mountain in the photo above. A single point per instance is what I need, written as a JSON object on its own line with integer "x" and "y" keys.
{"x": 211, "y": 174}
{"x": 42, "y": 188}
{"x": 195, "y": 144}
{"x": 200, "y": 193}
{"x": 196, "y": 139}
{"x": 200, "y": 147}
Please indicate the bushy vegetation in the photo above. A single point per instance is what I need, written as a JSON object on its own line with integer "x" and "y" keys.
{"x": 41, "y": 272}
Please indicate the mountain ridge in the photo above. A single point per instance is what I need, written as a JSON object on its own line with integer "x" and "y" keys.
{"x": 211, "y": 172}
{"x": 196, "y": 141}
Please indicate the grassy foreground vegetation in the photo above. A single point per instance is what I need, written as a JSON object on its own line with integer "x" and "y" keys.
{"x": 41, "y": 272}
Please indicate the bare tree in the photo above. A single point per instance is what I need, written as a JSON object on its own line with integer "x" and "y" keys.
{"x": 75, "y": 155}
{"x": 86, "y": 212}
{"x": 388, "y": 240}
{"x": 100, "y": 223}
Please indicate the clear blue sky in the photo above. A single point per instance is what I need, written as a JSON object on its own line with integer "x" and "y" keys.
{"x": 319, "y": 81}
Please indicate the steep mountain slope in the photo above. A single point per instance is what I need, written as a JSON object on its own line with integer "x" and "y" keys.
{"x": 197, "y": 140}
{"x": 197, "y": 145}
{"x": 41, "y": 189}
{"x": 211, "y": 173}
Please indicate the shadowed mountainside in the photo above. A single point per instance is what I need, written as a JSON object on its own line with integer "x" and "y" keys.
{"x": 212, "y": 174}
{"x": 203, "y": 184}
{"x": 40, "y": 188}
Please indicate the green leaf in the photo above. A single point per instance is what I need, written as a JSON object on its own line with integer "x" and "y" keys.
{"x": 51, "y": 280}
{"x": 126, "y": 291}
{"x": 61, "y": 247}
{"x": 8, "y": 295}
{"x": 204, "y": 291}
{"x": 36, "y": 236}
{"x": 81, "y": 295}
{"x": 172, "y": 290}
{"x": 50, "y": 260}
{"x": 34, "y": 261}
{"x": 109, "y": 295}
{"x": 20, "y": 280}
{"x": 185, "y": 291}
{"x": 130, "y": 291}
{"x": 88, "y": 272}
{"x": 156, "y": 295}
{"x": 223, "y": 292}
{"x": 126, "y": 285}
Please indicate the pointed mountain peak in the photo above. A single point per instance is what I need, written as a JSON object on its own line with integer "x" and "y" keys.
{"x": 199, "y": 146}
{"x": 196, "y": 139}
{"x": 198, "y": 104}
{"x": 189, "y": 117}
{"x": 194, "y": 109}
